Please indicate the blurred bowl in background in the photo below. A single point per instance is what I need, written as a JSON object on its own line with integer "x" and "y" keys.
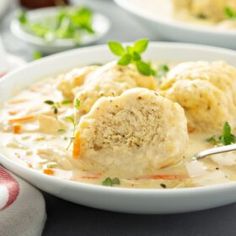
{"x": 157, "y": 15}
{"x": 100, "y": 23}
{"x": 4, "y": 4}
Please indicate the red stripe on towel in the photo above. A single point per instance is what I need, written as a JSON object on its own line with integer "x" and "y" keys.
{"x": 11, "y": 184}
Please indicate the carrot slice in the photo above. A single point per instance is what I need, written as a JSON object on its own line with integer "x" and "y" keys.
{"x": 13, "y": 112}
{"x": 22, "y": 119}
{"x": 16, "y": 128}
{"x": 76, "y": 146}
{"x": 89, "y": 177}
{"x": 164, "y": 176}
{"x": 48, "y": 171}
{"x": 18, "y": 100}
{"x": 191, "y": 129}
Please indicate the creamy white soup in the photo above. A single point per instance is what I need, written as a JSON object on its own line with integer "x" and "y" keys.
{"x": 68, "y": 126}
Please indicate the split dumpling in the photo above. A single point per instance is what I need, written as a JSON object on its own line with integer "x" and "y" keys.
{"x": 206, "y": 92}
{"x": 133, "y": 134}
{"x": 111, "y": 80}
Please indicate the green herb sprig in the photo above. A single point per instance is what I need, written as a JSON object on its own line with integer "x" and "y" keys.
{"x": 111, "y": 181}
{"x": 230, "y": 12}
{"x": 131, "y": 54}
{"x": 71, "y": 119}
{"x": 56, "y": 105}
{"x": 226, "y": 138}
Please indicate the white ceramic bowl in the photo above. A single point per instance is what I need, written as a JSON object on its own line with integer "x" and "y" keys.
{"x": 112, "y": 198}
{"x": 157, "y": 16}
{"x": 101, "y": 25}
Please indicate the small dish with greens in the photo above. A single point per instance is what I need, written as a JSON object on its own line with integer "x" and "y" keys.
{"x": 59, "y": 28}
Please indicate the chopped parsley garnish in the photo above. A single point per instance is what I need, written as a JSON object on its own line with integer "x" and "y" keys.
{"x": 213, "y": 140}
{"x": 226, "y": 138}
{"x": 110, "y": 182}
{"x": 230, "y": 13}
{"x": 201, "y": 16}
{"x": 132, "y": 55}
{"x": 67, "y": 23}
{"x": 61, "y": 130}
{"x": 162, "y": 70}
{"x": 53, "y": 105}
{"x": 162, "y": 185}
{"x": 66, "y": 102}
{"x": 77, "y": 103}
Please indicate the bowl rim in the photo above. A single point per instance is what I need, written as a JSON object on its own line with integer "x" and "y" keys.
{"x": 181, "y": 25}
{"x": 6, "y": 161}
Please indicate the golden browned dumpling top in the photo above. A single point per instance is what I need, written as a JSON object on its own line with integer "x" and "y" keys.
{"x": 111, "y": 80}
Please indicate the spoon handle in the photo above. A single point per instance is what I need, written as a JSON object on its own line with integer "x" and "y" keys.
{"x": 215, "y": 150}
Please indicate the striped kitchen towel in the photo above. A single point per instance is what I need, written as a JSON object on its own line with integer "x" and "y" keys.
{"x": 22, "y": 207}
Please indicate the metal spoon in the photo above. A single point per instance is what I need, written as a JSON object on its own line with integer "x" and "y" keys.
{"x": 216, "y": 150}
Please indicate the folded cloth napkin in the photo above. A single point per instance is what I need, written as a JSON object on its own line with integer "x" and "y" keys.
{"x": 22, "y": 207}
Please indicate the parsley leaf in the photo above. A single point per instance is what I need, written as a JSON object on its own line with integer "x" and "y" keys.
{"x": 230, "y": 13}
{"x": 226, "y": 138}
{"x": 49, "y": 102}
{"x": 77, "y": 103}
{"x": 66, "y": 102}
{"x": 141, "y": 45}
{"x": 116, "y": 48}
{"x": 131, "y": 54}
{"x": 144, "y": 68}
{"x": 110, "y": 182}
{"x": 213, "y": 140}
{"x": 56, "y": 105}
{"x": 125, "y": 60}
{"x": 70, "y": 119}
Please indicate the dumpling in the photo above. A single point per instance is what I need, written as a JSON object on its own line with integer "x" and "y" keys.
{"x": 206, "y": 92}
{"x": 133, "y": 134}
{"x": 210, "y": 9}
{"x": 213, "y": 10}
{"x": 182, "y": 4}
{"x": 111, "y": 80}
{"x": 75, "y": 78}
